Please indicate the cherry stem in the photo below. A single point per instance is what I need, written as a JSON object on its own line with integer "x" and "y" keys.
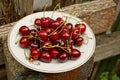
{"x": 64, "y": 24}
{"x": 68, "y": 46}
{"x": 50, "y": 46}
{"x": 26, "y": 57}
{"x": 57, "y": 6}
{"x": 56, "y": 29}
{"x": 85, "y": 36}
{"x": 17, "y": 40}
{"x": 45, "y": 9}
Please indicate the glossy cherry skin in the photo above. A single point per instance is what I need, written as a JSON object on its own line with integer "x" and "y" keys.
{"x": 71, "y": 43}
{"x": 60, "y": 20}
{"x": 33, "y": 32}
{"x": 54, "y": 35}
{"x": 60, "y": 42}
{"x": 69, "y": 27}
{"x": 34, "y": 44}
{"x": 75, "y": 54}
{"x": 48, "y": 30}
{"x": 24, "y": 42}
{"x": 46, "y": 44}
{"x": 55, "y": 24}
{"x": 45, "y": 22}
{"x": 54, "y": 53}
{"x": 81, "y": 27}
{"x": 62, "y": 57}
{"x": 78, "y": 41}
{"x": 35, "y": 53}
{"x": 43, "y": 35}
{"x": 75, "y": 33}
{"x": 24, "y": 30}
{"x": 37, "y": 22}
{"x": 64, "y": 35}
{"x": 46, "y": 57}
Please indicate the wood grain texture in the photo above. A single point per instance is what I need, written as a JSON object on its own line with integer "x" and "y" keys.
{"x": 3, "y": 74}
{"x": 94, "y": 13}
{"x": 107, "y": 46}
{"x": 13, "y": 10}
{"x": 89, "y": 9}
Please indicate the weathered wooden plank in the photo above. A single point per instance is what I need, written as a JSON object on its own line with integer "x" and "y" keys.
{"x": 94, "y": 13}
{"x": 96, "y": 67}
{"x": 3, "y": 74}
{"x": 107, "y": 46}
{"x": 116, "y": 69}
{"x": 13, "y": 68}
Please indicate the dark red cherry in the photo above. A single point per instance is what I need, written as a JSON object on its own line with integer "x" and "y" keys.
{"x": 62, "y": 57}
{"x": 81, "y": 27}
{"x": 45, "y": 22}
{"x": 64, "y": 35}
{"x": 24, "y": 30}
{"x": 61, "y": 42}
{"x": 54, "y": 53}
{"x": 48, "y": 30}
{"x": 54, "y": 35}
{"x": 43, "y": 35}
{"x": 69, "y": 27}
{"x": 55, "y": 24}
{"x": 46, "y": 57}
{"x": 35, "y": 53}
{"x": 75, "y": 33}
{"x": 71, "y": 42}
{"x": 60, "y": 20}
{"x": 46, "y": 44}
{"x": 75, "y": 54}
{"x": 78, "y": 41}
{"x": 33, "y": 32}
{"x": 24, "y": 42}
{"x": 37, "y": 22}
{"x": 34, "y": 44}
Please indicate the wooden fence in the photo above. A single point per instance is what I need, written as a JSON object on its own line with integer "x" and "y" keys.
{"x": 91, "y": 12}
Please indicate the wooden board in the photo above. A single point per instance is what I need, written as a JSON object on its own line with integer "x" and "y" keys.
{"x": 15, "y": 70}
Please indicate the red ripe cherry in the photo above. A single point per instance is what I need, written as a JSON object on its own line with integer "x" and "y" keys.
{"x": 48, "y": 30}
{"x": 43, "y": 35}
{"x": 75, "y": 54}
{"x": 69, "y": 27}
{"x": 75, "y": 33}
{"x": 24, "y": 30}
{"x": 35, "y": 53}
{"x": 64, "y": 35}
{"x": 34, "y": 44}
{"x": 60, "y": 20}
{"x": 24, "y": 42}
{"x": 71, "y": 42}
{"x": 54, "y": 35}
{"x": 78, "y": 41}
{"x": 62, "y": 57}
{"x": 37, "y": 22}
{"x": 45, "y": 57}
{"x": 55, "y": 24}
{"x": 54, "y": 53}
{"x": 61, "y": 42}
{"x": 45, "y": 22}
{"x": 81, "y": 27}
{"x": 46, "y": 44}
{"x": 33, "y": 32}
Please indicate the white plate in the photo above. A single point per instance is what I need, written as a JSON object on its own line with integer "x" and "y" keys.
{"x": 54, "y": 66}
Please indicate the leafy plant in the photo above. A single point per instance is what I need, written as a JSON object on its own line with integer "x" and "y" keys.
{"x": 105, "y": 76}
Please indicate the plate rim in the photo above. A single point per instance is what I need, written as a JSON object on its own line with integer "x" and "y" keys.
{"x": 47, "y": 71}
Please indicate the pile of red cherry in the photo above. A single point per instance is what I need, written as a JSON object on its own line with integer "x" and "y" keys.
{"x": 52, "y": 39}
